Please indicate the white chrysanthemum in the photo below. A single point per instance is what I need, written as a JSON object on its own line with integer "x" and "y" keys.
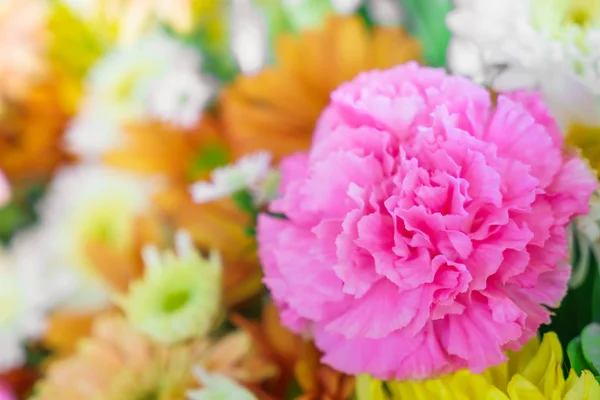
{"x": 90, "y": 134}
{"x": 247, "y": 173}
{"x": 179, "y": 297}
{"x": 217, "y": 387}
{"x": 29, "y": 289}
{"x": 180, "y": 96}
{"x": 553, "y": 45}
{"x": 156, "y": 77}
{"x": 91, "y": 204}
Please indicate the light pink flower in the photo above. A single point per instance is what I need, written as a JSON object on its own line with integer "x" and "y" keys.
{"x": 5, "y": 191}
{"x": 425, "y": 229}
{"x": 5, "y": 392}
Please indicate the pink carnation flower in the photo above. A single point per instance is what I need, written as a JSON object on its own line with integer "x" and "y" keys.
{"x": 5, "y": 392}
{"x": 425, "y": 229}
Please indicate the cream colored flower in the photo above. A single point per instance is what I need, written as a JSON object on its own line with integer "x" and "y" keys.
{"x": 89, "y": 216}
{"x": 553, "y": 45}
{"x": 179, "y": 297}
{"x": 218, "y": 387}
{"x": 29, "y": 289}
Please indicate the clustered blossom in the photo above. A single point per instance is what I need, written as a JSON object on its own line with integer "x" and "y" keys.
{"x": 553, "y": 46}
{"x": 424, "y": 231}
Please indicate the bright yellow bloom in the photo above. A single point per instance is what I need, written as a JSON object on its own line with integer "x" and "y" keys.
{"x": 179, "y": 297}
{"x": 534, "y": 373}
{"x": 587, "y": 139}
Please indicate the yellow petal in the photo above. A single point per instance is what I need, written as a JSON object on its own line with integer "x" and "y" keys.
{"x": 519, "y": 388}
{"x": 586, "y": 388}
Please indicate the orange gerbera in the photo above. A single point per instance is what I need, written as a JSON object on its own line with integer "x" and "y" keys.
{"x": 119, "y": 363}
{"x": 297, "y": 359}
{"x": 277, "y": 108}
{"x": 31, "y": 134}
{"x": 181, "y": 157}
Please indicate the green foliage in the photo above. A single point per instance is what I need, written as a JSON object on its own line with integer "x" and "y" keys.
{"x": 20, "y": 212}
{"x": 426, "y": 20}
{"x": 579, "y": 307}
{"x": 584, "y": 350}
{"x": 208, "y": 158}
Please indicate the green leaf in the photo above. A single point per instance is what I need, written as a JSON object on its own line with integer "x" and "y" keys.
{"x": 207, "y": 159}
{"x": 575, "y": 352}
{"x": 426, "y": 20}
{"x": 590, "y": 343}
{"x": 244, "y": 200}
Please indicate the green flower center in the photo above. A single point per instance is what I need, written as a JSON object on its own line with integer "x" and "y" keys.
{"x": 175, "y": 301}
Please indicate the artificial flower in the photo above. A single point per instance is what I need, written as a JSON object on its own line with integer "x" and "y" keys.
{"x": 533, "y": 373}
{"x": 129, "y": 84}
{"x": 180, "y": 295}
{"x": 29, "y": 290}
{"x": 276, "y": 109}
{"x": 419, "y": 243}
{"x": 218, "y": 387}
{"x": 550, "y": 45}
{"x": 247, "y": 173}
{"x": 22, "y": 40}
{"x": 31, "y": 133}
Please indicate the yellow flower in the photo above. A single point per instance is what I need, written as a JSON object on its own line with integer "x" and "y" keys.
{"x": 276, "y": 109}
{"x": 534, "y": 373}
{"x": 587, "y": 139}
{"x": 179, "y": 298}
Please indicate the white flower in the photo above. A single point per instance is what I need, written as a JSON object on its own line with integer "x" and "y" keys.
{"x": 552, "y": 45}
{"x": 246, "y": 173}
{"x": 89, "y": 204}
{"x": 217, "y": 387}
{"x": 180, "y": 95}
{"x": 91, "y": 134}
{"x": 249, "y": 43}
{"x": 29, "y": 289}
{"x": 156, "y": 77}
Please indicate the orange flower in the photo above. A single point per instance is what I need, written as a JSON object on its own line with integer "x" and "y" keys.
{"x": 31, "y": 134}
{"x": 181, "y": 157}
{"x": 277, "y": 108}
{"x": 118, "y": 363}
{"x": 297, "y": 359}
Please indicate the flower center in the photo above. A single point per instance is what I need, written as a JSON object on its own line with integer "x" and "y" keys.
{"x": 563, "y": 18}
{"x": 175, "y": 301}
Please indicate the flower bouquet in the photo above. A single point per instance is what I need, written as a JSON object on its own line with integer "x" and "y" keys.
{"x": 272, "y": 200}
